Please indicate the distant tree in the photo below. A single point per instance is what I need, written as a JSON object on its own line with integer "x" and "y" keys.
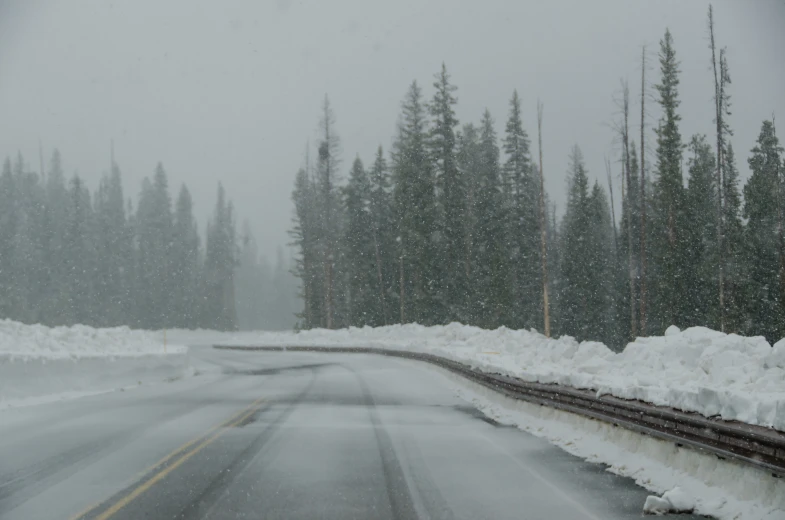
{"x": 699, "y": 287}
{"x": 451, "y": 189}
{"x": 186, "y": 271}
{"x": 220, "y": 262}
{"x": 79, "y": 254}
{"x": 360, "y": 250}
{"x": 384, "y": 232}
{"x": 762, "y": 209}
{"x": 113, "y": 248}
{"x": 415, "y": 209}
{"x": 576, "y": 275}
{"x": 668, "y": 224}
{"x": 523, "y": 232}
{"x": 490, "y": 275}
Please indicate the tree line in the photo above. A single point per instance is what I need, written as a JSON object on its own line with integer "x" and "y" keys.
{"x": 69, "y": 257}
{"x": 454, "y": 224}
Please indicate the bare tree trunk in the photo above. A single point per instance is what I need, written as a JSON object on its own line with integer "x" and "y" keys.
{"x": 613, "y": 211}
{"x": 643, "y": 195}
{"x": 543, "y": 232}
{"x": 719, "y": 110}
{"x": 630, "y": 195}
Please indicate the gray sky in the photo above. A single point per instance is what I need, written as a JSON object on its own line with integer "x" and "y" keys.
{"x": 231, "y": 90}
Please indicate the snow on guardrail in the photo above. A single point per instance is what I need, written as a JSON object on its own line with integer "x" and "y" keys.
{"x": 697, "y": 370}
{"x": 39, "y": 363}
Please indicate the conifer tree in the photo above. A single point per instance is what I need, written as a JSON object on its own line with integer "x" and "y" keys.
{"x": 451, "y": 281}
{"x": 523, "y": 232}
{"x": 415, "y": 207}
{"x": 360, "y": 250}
{"x": 699, "y": 287}
{"x": 762, "y": 209}
{"x": 668, "y": 224}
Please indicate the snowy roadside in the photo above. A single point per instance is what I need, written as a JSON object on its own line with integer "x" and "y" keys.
{"x": 43, "y": 364}
{"x": 697, "y": 370}
{"x": 688, "y": 480}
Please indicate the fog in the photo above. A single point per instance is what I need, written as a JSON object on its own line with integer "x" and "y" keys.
{"x": 231, "y": 90}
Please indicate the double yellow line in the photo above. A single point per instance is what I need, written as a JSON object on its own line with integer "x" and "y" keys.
{"x": 184, "y": 452}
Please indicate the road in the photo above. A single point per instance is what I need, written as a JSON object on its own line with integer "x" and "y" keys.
{"x": 292, "y": 436}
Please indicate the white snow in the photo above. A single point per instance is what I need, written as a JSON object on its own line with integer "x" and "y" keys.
{"x": 42, "y": 364}
{"x": 697, "y": 369}
{"x": 672, "y": 501}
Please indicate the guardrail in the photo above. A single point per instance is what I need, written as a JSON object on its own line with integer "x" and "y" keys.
{"x": 755, "y": 445}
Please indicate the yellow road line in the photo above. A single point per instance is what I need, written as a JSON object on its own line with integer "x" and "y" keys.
{"x": 211, "y": 435}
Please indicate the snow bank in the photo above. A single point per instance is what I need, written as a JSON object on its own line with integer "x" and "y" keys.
{"x": 686, "y": 478}
{"x": 39, "y": 363}
{"x": 698, "y": 369}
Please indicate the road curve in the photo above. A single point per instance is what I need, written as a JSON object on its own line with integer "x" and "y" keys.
{"x": 292, "y": 436}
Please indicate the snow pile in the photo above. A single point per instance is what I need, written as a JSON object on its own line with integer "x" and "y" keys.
{"x": 39, "y": 363}
{"x": 673, "y": 501}
{"x": 698, "y": 369}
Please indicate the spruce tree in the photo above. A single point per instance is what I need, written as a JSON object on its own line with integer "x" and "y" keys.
{"x": 733, "y": 245}
{"x": 381, "y": 209}
{"x": 576, "y": 276}
{"x": 451, "y": 282}
{"x": 522, "y": 228}
{"x": 185, "y": 267}
{"x": 415, "y": 208}
{"x": 762, "y": 209}
{"x": 79, "y": 254}
{"x": 490, "y": 274}
{"x": 699, "y": 288}
{"x": 667, "y": 224}
{"x": 360, "y": 250}
{"x": 220, "y": 262}
{"x": 113, "y": 249}
{"x": 307, "y": 265}
{"x": 600, "y": 322}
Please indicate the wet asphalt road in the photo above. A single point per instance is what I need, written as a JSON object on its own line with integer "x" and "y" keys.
{"x": 292, "y": 436}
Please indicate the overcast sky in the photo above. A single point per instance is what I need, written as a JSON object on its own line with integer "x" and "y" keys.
{"x": 230, "y": 90}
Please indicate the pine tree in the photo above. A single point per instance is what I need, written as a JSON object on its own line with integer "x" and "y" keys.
{"x": 452, "y": 288}
{"x": 220, "y": 263}
{"x": 629, "y": 247}
{"x": 55, "y": 218}
{"x": 360, "y": 250}
{"x": 154, "y": 229}
{"x": 762, "y": 209}
{"x": 7, "y": 230}
{"x": 415, "y": 208}
{"x": 733, "y": 245}
{"x": 185, "y": 267}
{"x": 668, "y": 225}
{"x": 113, "y": 249}
{"x": 304, "y": 237}
{"x": 699, "y": 288}
{"x": 79, "y": 254}
{"x": 523, "y": 231}
{"x": 491, "y": 271}
{"x": 381, "y": 209}
{"x": 327, "y": 204}
{"x": 576, "y": 276}
{"x": 601, "y": 324}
